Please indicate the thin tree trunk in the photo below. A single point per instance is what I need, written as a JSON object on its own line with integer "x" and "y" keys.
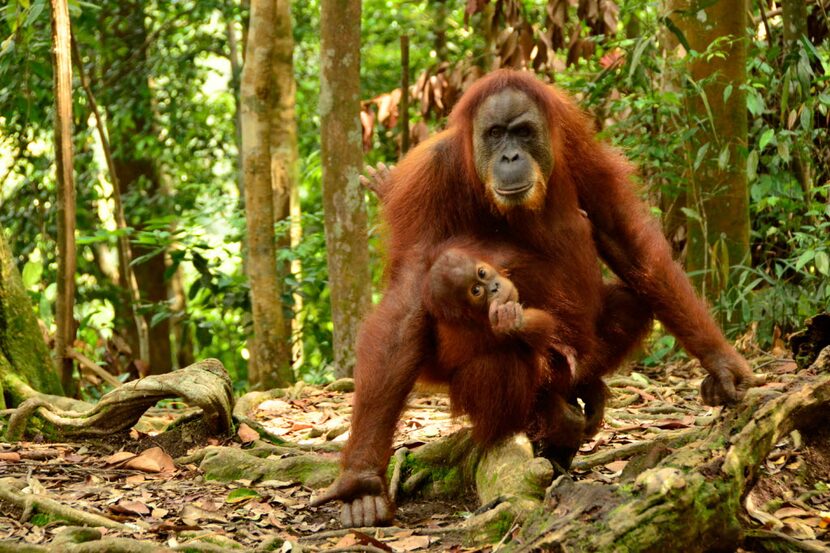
{"x": 64, "y": 320}
{"x": 268, "y": 368}
{"x": 718, "y": 190}
{"x": 284, "y": 154}
{"x": 342, "y": 153}
{"x": 124, "y": 250}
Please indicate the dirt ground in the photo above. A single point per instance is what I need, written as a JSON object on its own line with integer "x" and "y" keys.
{"x": 166, "y": 504}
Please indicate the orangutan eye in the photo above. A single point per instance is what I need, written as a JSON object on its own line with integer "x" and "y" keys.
{"x": 496, "y": 132}
{"x": 523, "y": 131}
{"x": 476, "y": 290}
{"x": 482, "y": 273}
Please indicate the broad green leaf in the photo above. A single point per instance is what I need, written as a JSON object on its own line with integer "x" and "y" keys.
{"x": 752, "y": 165}
{"x": 32, "y": 271}
{"x": 806, "y": 118}
{"x": 766, "y": 137}
{"x": 823, "y": 263}
{"x": 804, "y": 258}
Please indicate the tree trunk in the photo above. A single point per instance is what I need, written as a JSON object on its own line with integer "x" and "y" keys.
{"x": 62, "y": 68}
{"x": 267, "y": 366}
{"x": 24, "y": 356}
{"x": 719, "y": 232}
{"x": 342, "y": 154}
{"x": 285, "y": 157}
{"x": 125, "y": 46}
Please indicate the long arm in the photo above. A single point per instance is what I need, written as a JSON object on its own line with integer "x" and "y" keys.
{"x": 631, "y": 242}
{"x": 391, "y": 349}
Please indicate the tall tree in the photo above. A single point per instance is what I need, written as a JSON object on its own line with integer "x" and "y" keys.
{"x": 284, "y": 153}
{"x": 717, "y": 193}
{"x": 23, "y": 353}
{"x": 126, "y": 91}
{"x": 270, "y": 359}
{"x": 62, "y": 67}
{"x": 342, "y": 155}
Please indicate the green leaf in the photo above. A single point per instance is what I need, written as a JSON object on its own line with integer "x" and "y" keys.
{"x": 691, "y": 213}
{"x": 727, "y": 92}
{"x": 723, "y": 157}
{"x": 823, "y": 263}
{"x": 32, "y": 271}
{"x": 752, "y": 165}
{"x": 804, "y": 258}
{"x": 806, "y": 118}
{"x": 701, "y": 153}
{"x": 241, "y": 494}
{"x": 766, "y": 137}
{"x": 754, "y": 103}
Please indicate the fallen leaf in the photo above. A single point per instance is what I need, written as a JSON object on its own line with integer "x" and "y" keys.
{"x": 129, "y": 507}
{"x": 152, "y": 460}
{"x": 274, "y": 406}
{"x": 616, "y": 466}
{"x": 118, "y": 457}
{"x": 247, "y": 434}
{"x": 10, "y": 456}
{"x": 786, "y": 512}
{"x": 410, "y": 544}
{"x": 346, "y": 541}
{"x": 241, "y": 494}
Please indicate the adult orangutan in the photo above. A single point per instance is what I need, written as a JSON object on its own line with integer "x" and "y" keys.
{"x": 484, "y": 338}
{"x": 519, "y": 165}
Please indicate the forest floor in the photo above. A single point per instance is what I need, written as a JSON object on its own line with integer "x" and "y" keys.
{"x": 163, "y": 503}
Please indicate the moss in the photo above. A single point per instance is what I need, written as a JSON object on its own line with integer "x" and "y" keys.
{"x": 42, "y": 519}
{"x": 499, "y": 526}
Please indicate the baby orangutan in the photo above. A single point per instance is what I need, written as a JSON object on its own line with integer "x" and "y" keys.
{"x": 503, "y": 362}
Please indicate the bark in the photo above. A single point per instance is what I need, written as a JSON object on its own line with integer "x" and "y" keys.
{"x": 343, "y": 201}
{"x": 717, "y": 188}
{"x": 268, "y": 367}
{"x": 285, "y": 157}
{"x": 65, "y": 303}
{"x": 24, "y": 357}
{"x": 127, "y": 89}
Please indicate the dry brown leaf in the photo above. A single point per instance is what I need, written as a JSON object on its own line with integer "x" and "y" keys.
{"x": 410, "y": 544}
{"x": 346, "y": 541}
{"x": 616, "y": 466}
{"x": 274, "y": 406}
{"x": 786, "y": 512}
{"x": 152, "y": 460}
{"x": 247, "y": 434}
{"x": 118, "y": 457}
{"x": 10, "y": 456}
{"x": 135, "y": 479}
{"x": 130, "y": 507}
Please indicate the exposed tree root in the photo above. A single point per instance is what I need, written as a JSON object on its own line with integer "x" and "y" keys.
{"x": 204, "y": 384}
{"x": 694, "y": 496}
{"x": 26, "y": 505}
